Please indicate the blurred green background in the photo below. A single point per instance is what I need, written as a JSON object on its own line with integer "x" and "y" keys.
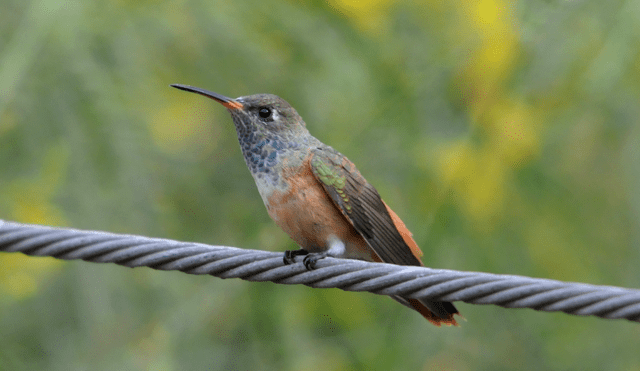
{"x": 505, "y": 134}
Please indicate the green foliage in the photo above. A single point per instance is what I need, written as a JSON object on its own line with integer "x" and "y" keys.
{"x": 504, "y": 134}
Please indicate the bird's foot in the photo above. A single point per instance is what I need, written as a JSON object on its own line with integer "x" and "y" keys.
{"x": 311, "y": 259}
{"x": 290, "y": 255}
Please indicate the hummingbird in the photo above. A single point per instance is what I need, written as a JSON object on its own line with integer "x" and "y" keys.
{"x": 317, "y": 196}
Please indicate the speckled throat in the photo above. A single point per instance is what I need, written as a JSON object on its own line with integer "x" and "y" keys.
{"x": 264, "y": 149}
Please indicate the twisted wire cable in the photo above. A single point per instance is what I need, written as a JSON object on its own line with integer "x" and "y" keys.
{"x": 350, "y": 275}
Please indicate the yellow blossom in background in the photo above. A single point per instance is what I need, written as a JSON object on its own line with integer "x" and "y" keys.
{"x": 368, "y": 15}
{"x": 32, "y": 197}
{"x": 489, "y": 16}
{"x": 478, "y": 173}
{"x": 493, "y": 60}
{"x": 21, "y": 275}
{"x": 477, "y": 179}
{"x": 514, "y": 130}
{"x": 32, "y": 202}
{"x": 509, "y": 130}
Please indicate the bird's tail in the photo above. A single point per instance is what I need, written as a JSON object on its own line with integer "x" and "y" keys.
{"x": 436, "y": 312}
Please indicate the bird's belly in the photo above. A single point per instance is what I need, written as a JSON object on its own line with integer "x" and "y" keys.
{"x": 307, "y": 214}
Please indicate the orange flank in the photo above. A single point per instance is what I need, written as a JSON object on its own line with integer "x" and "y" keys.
{"x": 312, "y": 225}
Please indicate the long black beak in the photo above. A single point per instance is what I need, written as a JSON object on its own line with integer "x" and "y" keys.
{"x": 225, "y": 101}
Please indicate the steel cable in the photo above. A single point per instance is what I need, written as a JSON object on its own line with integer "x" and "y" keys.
{"x": 350, "y": 275}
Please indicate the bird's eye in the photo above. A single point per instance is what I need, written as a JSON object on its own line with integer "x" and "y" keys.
{"x": 264, "y": 112}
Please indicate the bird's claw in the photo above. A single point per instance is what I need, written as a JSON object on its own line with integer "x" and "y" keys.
{"x": 289, "y": 255}
{"x": 310, "y": 260}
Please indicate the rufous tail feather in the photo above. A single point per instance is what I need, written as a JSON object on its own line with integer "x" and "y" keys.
{"x": 426, "y": 313}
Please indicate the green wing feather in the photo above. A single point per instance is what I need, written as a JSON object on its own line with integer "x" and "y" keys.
{"x": 361, "y": 204}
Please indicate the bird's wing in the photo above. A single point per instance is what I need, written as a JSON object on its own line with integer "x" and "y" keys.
{"x": 361, "y": 204}
{"x": 383, "y": 230}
